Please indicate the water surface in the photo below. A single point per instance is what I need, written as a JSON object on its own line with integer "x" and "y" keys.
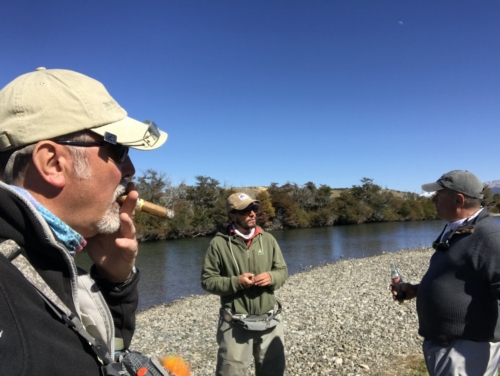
{"x": 171, "y": 269}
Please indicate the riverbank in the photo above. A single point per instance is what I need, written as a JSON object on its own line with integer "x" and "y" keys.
{"x": 339, "y": 319}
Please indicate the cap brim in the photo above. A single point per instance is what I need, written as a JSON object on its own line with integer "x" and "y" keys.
{"x": 245, "y": 204}
{"x": 132, "y": 133}
{"x": 432, "y": 187}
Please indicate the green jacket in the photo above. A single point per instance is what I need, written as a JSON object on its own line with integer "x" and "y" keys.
{"x": 221, "y": 271}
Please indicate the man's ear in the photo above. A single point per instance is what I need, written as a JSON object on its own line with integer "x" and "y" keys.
{"x": 52, "y": 162}
{"x": 460, "y": 200}
{"x": 231, "y": 216}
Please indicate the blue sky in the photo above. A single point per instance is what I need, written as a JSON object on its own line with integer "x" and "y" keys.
{"x": 259, "y": 91}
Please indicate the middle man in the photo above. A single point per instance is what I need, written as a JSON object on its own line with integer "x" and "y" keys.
{"x": 244, "y": 266}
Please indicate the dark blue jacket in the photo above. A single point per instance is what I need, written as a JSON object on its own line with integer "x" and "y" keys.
{"x": 458, "y": 297}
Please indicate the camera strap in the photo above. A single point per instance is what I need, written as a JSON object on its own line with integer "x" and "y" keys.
{"x": 12, "y": 251}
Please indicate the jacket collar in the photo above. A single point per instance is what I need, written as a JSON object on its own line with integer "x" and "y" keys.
{"x": 466, "y": 227}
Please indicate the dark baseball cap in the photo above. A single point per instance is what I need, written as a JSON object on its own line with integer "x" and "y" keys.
{"x": 462, "y": 181}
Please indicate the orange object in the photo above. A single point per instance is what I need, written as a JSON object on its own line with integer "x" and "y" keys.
{"x": 141, "y": 371}
{"x": 176, "y": 365}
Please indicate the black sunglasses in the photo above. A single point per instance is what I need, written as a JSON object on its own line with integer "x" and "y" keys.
{"x": 118, "y": 153}
{"x": 246, "y": 212}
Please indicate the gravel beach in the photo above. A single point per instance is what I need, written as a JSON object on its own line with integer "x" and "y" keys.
{"x": 339, "y": 319}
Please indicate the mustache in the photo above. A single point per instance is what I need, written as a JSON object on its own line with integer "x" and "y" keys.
{"x": 120, "y": 190}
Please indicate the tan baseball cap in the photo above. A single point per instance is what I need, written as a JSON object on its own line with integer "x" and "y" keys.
{"x": 239, "y": 201}
{"x": 48, "y": 103}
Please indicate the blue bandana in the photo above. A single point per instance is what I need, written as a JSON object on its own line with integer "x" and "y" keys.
{"x": 71, "y": 239}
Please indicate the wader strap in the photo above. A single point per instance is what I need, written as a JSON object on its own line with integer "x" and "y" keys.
{"x": 12, "y": 252}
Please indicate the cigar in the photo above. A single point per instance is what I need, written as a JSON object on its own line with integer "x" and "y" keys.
{"x": 149, "y": 207}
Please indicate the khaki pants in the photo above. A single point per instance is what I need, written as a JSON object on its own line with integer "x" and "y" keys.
{"x": 238, "y": 345}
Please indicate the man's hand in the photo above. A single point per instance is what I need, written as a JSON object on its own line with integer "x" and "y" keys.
{"x": 114, "y": 254}
{"x": 403, "y": 291}
{"x": 263, "y": 279}
{"x": 246, "y": 280}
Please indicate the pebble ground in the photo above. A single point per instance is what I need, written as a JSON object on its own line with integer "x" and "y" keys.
{"x": 339, "y": 319}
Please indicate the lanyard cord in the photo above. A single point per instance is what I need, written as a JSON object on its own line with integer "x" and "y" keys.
{"x": 12, "y": 252}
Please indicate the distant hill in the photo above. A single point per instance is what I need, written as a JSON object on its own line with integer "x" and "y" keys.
{"x": 494, "y": 185}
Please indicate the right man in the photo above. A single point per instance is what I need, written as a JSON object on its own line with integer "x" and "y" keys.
{"x": 244, "y": 265}
{"x": 458, "y": 298}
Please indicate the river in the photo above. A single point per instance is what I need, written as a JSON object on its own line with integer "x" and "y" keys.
{"x": 171, "y": 269}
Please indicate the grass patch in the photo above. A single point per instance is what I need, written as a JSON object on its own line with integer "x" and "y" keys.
{"x": 416, "y": 364}
{"x": 411, "y": 365}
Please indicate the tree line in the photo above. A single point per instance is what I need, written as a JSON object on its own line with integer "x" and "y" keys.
{"x": 200, "y": 209}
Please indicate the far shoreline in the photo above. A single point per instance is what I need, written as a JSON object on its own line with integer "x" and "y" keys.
{"x": 145, "y": 238}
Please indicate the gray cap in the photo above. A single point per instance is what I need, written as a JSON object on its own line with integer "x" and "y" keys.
{"x": 462, "y": 181}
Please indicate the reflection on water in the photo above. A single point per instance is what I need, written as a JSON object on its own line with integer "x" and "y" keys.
{"x": 171, "y": 269}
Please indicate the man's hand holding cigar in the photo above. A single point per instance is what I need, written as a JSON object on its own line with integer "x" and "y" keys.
{"x": 114, "y": 254}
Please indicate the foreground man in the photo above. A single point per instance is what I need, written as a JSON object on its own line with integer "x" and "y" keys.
{"x": 244, "y": 265}
{"x": 64, "y": 160}
{"x": 458, "y": 297}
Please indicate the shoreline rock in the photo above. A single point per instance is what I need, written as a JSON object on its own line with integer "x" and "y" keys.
{"x": 339, "y": 319}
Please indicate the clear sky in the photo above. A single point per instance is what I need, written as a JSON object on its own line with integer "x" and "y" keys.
{"x": 259, "y": 91}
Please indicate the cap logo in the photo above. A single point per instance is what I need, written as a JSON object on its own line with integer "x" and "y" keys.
{"x": 444, "y": 181}
{"x": 110, "y": 105}
{"x": 243, "y": 196}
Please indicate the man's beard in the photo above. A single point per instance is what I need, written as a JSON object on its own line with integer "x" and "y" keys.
{"x": 243, "y": 224}
{"x": 110, "y": 222}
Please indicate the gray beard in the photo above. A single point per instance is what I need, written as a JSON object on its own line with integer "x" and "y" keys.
{"x": 110, "y": 222}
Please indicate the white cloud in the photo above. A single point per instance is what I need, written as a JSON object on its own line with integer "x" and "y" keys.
{"x": 400, "y": 22}
{"x": 427, "y": 194}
